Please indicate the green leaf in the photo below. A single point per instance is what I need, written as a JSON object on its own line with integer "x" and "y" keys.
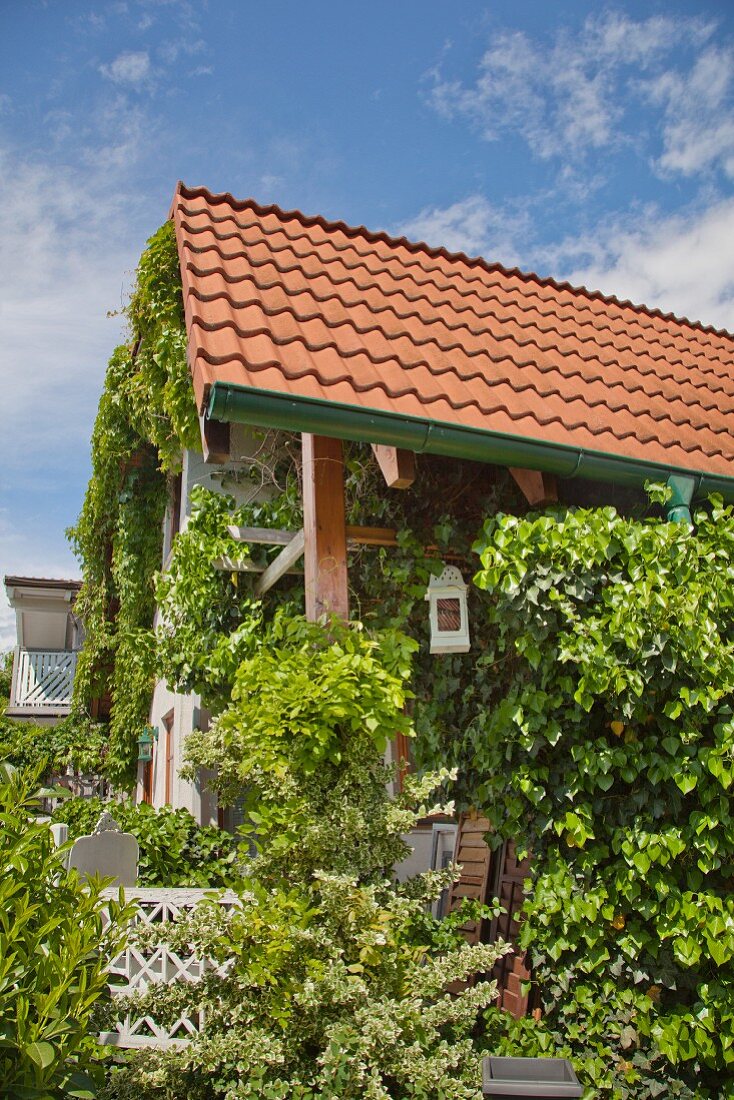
{"x": 41, "y": 1053}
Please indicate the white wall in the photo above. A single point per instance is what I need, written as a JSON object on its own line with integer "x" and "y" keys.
{"x": 187, "y": 713}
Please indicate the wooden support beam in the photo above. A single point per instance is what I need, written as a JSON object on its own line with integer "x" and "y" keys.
{"x": 269, "y": 536}
{"x": 214, "y": 440}
{"x": 288, "y": 556}
{"x": 236, "y": 565}
{"x": 324, "y": 525}
{"x": 371, "y": 536}
{"x": 276, "y": 536}
{"x": 537, "y": 488}
{"x": 397, "y": 465}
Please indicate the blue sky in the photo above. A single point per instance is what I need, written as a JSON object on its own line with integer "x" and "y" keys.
{"x": 594, "y": 143}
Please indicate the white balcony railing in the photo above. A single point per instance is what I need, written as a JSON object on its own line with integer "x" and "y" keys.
{"x": 42, "y": 680}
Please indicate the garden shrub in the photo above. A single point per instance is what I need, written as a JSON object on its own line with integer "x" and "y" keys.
{"x": 336, "y": 979}
{"x": 609, "y": 752}
{"x": 75, "y": 742}
{"x": 53, "y": 954}
{"x": 174, "y": 849}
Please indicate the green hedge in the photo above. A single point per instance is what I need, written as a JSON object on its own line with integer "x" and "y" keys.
{"x": 174, "y": 849}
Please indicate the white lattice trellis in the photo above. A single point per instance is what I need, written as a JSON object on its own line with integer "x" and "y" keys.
{"x": 134, "y": 970}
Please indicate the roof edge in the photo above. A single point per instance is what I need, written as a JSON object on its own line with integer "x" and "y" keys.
{"x": 220, "y": 197}
{"x": 288, "y": 412}
{"x": 42, "y": 582}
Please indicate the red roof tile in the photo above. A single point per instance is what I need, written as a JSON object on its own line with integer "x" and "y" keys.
{"x": 300, "y": 306}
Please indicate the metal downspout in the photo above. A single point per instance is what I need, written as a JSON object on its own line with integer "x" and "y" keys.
{"x": 682, "y": 489}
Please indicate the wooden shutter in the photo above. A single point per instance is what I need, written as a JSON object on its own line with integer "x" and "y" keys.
{"x": 484, "y": 876}
{"x": 476, "y": 860}
{"x": 509, "y": 874}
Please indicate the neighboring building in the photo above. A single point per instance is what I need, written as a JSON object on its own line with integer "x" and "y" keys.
{"x": 49, "y": 637}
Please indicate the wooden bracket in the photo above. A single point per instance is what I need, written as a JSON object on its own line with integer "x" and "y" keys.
{"x": 397, "y": 465}
{"x": 537, "y": 488}
{"x": 214, "y": 440}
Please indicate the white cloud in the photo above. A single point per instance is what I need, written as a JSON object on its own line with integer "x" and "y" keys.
{"x": 472, "y": 225}
{"x": 682, "y": 264}
{"x": 68, "y": 239}
{"x": 173, "y": 48}
{"x": 130, "y": 67}
{"x": 569, "y": 95}
{"x": 698, "y": 130}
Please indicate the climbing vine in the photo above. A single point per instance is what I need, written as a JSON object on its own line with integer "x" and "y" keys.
{"x": 146, "y": 416}
{"x": 609, "y": 751}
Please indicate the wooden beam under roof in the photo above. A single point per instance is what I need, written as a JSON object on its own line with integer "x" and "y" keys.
{"x": 397, "y": 465}
{"x": 215, "y": 441}
{"x": 536, "y": 487}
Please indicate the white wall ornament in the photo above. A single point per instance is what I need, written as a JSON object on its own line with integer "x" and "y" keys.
{"x": 449, "y": 616}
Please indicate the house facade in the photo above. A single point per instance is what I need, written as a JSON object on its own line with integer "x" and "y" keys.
{"x": 304, "y": 325}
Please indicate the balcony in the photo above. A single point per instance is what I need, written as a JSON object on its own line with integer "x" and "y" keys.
{"x": 43, "y": 681}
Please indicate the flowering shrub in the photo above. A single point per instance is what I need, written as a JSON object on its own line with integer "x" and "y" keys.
{"x": 335, "y": 978}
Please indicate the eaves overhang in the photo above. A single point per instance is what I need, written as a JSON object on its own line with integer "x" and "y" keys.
{"x": 260, "y": 408}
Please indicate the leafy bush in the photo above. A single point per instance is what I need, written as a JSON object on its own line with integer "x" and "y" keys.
{"x": 608, "y": 751}
{"x": 335, "y": 983}
{"x": 53, "y": 950}
{"x": 174, "y": 849}
{"x": 76, "y": 742}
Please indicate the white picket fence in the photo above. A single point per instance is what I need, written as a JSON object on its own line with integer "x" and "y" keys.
{"x": 134, "y": 970}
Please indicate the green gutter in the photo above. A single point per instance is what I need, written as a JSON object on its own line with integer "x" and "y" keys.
{"x": 268, "y": 409}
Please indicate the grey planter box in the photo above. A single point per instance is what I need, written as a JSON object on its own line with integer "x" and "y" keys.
{"x": 529, "y": 1078}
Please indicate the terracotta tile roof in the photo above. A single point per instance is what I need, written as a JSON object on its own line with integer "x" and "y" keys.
{"x": 300, "y": 306}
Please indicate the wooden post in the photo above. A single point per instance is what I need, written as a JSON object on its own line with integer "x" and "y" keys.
{"x": 324, "y": 525}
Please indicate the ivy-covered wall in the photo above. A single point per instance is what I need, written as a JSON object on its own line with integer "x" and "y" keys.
{"x": 146, "y": 416}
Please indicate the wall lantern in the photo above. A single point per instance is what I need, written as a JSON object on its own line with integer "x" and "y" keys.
{"x": 145, "y": 744}
{"x": 449, "y": 617}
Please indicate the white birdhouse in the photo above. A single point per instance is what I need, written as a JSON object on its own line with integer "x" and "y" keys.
{"x": 446, "y": 597}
